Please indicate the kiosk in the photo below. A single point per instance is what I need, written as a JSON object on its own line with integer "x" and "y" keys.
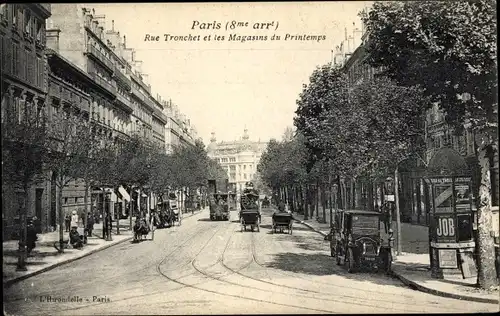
{"x": 452, "y": 244}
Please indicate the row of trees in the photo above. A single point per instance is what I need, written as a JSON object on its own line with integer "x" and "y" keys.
{"x": 68, "y": 147}
{"x": 429, "y": 53}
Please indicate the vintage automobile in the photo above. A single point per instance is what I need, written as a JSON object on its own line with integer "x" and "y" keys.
{"x": 219, "y": 208}
{"x": 362, "y": 239}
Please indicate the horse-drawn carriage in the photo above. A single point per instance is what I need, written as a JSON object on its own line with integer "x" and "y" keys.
{"x": 250, "y": 210}
{"x": 282, "y": 221}
{"x": 143, "y": 226}
{"x": 219, "y": 208}
{"x": 167, "y": 217}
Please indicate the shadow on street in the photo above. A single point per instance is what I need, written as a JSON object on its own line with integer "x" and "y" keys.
{"x": 320, "y": 264}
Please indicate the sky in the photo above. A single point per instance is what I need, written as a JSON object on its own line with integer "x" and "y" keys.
{"x": 226, "y": 86}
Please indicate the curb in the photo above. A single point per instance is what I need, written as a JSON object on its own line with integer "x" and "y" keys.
{"x": 28, "y": 275}
{"x": 10, "y": 282}
{"x": 310, "y": 227}
{"x": 415, "y": 285}
{"x": 421, "y": 288}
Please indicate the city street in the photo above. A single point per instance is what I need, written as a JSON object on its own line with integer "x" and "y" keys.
{"x": 205, "y": 267}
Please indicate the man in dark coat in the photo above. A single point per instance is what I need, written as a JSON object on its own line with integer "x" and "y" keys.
{"x": 281, "y": 206}
{"x": 90, "y": 224}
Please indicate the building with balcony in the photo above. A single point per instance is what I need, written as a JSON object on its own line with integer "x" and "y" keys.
{"x": 23, "y": 87}
{"x": 159, "y": 122}
{"x": 70, "y": 89}
{"x": 239, "y": 158}
{"x": 178, "y": 130}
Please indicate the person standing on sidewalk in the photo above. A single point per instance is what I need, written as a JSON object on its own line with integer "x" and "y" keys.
{"x": 74, "y": 220}
{"x": 90, "y": 224}
{"x": 67, "y": 222}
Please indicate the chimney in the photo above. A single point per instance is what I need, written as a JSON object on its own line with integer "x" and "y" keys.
{"x": 53, "y": 39}
{"x": 112, "y": 25}
{"x": 124, "y": 41}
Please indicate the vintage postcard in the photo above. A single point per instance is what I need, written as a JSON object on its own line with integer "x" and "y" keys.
{"x": 249, "y": 158}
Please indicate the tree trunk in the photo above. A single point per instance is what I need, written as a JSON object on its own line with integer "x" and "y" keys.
{"x": 306, "y": 204}
{"x": 22, "y": 251}
{"x": 104, "y": 219}
{"x": 318, "y": 192}
{"x": 339, "y": 194}
{"x": 61, "y": 218}
{"x": 353, "y": 197}
{"x": 323, "y": 202}
{"x": 487, "y": 276}
{"x": 398, "y": 213}
{"x": 131, "y": 211}
{"x": 370, "y": 195}
{"x": 118, "y": 214}
{"x": 85, "y": 201}
{"x": 331, "y": 204}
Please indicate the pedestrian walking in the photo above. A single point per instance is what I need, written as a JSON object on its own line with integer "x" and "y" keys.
{"x": 67, "y": 222}
{"x": 90, "y": 224}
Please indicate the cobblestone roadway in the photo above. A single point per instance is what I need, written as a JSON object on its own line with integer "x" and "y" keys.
{"x": 206, "y": 267}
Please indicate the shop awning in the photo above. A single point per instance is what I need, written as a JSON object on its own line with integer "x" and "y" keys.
{"x": 124, "y": 193}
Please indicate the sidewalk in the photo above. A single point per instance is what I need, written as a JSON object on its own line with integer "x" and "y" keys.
{"x": 46, "y": 257}
{"x": 413, "y": 266}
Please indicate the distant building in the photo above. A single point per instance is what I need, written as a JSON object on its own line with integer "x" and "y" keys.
{"x": 239, "y": 158}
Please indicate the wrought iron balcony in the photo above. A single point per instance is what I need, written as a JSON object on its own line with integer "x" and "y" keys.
{"x": 94, "y": 52}
{"x": 119, "y": 75}
{"x": 124, "y": 101}
{"x": 111, "y": 87}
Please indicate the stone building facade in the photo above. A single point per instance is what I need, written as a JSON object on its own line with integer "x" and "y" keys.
{"x": 24, "y": 84}
{"x": 239, "y": 158}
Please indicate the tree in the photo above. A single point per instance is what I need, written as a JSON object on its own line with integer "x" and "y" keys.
{"x": 324, "y": 96}
{"x": 67, "y": 129}
{"x": 95, "y": 159}
{"x": 24, "y": 144}
{"x": 131, "y": 166}
{"x": 450, "y": 51}
{"x": 390, "y": 127}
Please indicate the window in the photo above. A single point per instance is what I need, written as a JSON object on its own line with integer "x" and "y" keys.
{"x": 39, "y": 30}
{"x": 27, "y": 22}
{"x": 14, "y": 16}
{"x": 244, "y": 176}
{"x": 3, "y": 12}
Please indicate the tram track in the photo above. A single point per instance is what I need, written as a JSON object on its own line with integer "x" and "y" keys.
{"x": 329, "y": 299}
{"x": 154, "y": 263}
{"x": 212, "y": 278}
{"x": 329, "y": 294}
